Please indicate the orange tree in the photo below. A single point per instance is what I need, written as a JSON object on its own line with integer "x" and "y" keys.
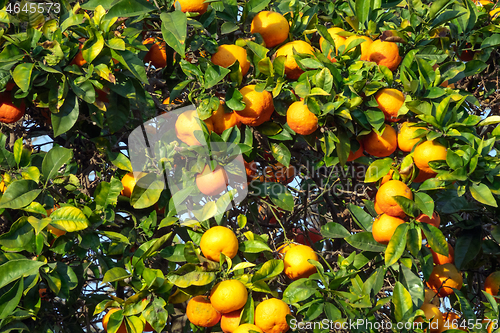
{"x": 87, "y": 240}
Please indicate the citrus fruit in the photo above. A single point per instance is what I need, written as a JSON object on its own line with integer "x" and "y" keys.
{"x": 296, "y": 264}
{"x": 492, "y": 283}
{"x": 440, "y": 259}
{"x": 283, "y": 249}
{"x": 387, "y": 177}
{"x": 389, "y": 102}
{"x": 300, "y": 119}
{"x": 200, "y": 312}
{"x": 229, "y": 322}
{"x": 443, "y": 278}
{"x": 385, "y": 195}
{"x": 247, "y": 328}
{"x": 385, "y": 54}
{"x": 157, "y": 54}
{"x": 292, "y": 69}
{"x": 186, "y": 124}
{"x": 435, "y": 220}
{"x": 272, "y": 26}
{"x": 494, "y": 14}
{"x": 434, "y": 316}
{"x": 384, "y": 226}
{"x": 377, "y": 208}
{"x": 217, "y": 240}
{"x": 105, "y": 320}
{"x": 10, "y": 113}
{"x": 222, "y": 120}
{"x": 357, "y": 154}
{"x": 313, "y": 234}
{"x": 228, "y": 296}
{"x": 55, "y": 231}
{"x": 78, "y": 59}
{"x": 406, "y": 139}
{"x": 338, "y": 40}
{"x": 129, "y": 181}
{"x": 430, "y": 296}
{"x": 43, "y": 294}
{"x": 212, "y": 182}
{"x": 193, "y": 6}
{"x": 270, "y": 316}
{"x": 227, "y": 55}
{"x": 423, "y": 176}
{"x": 426, "y": 152}
{"x": 258, "y": 106}
{"x": 381, "y": 146}
{"x": 365, "y": 46}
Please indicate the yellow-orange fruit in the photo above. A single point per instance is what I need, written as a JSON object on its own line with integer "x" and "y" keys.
{"x": 292, "y": 69}
{"x": 440, "y": 259}
{"x": 228, "y": 296}
{"x": 385, "y": 54}
{"x": 259, "y": 106}
{"x": 229, "y": 322}
{"x": 105, "y": 321}
{"x": 381, "y": 146}
{"x": 272, "y": 26}
{"x": 435, "y": 317}
{"x": 270, "y": 316}
{"x": 338, "y": 40}
{"x": 227, "y": 55}
{"x": 384, "y": 227}
{"x": 212, "y": 182}
{"x": 492, "y": 283}
{"x": 193, "y": 6}
{"x": 389, "y": 102}
{"x": 426, "y": 152}
{"x": 406, "y": 140}
{"x": 300, "y": 119}
{"x": 296, "y": 264}
{"x": 443, "y": 278}
{"x": 217, "y": 240}
{"x": 385, "y": 197}
{"x": 200, "y": 312}
{"x": 157, "y": 54}
{"x": 9, "y": 113}
{"x": 222, "y": 120}
{"x": 365, "y": 46}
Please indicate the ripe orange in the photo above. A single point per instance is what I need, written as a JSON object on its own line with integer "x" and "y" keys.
{"x": 270, "y": 316}
{"x": 259, "y": 106}
{"x": 300, "y": 119}
{"x": 247, "y": 328}
{"x": 406, "y": 140}
{"x": 435, "y": 317}
{"x": 385, "y": 54}
{"x": 193, "y": 6}
{"x": 339, "y": 41}
{"x": 43, "y": 294}
{"x": 186, "y": 124}
{"x": 283, "y": 249}
{"x": 272, "y": 26}
{"x": 228, "y": 296}
{"x": 430, "y": 296}
{"x": 435, "y": 220}
{"x": 129, "y": 181}
{"x": 439, "y": 259}
{"x": 357, "y": 154}
{"x": 377, "y": 208}
{"x": 55, "y": 231}
{"x": 313, "y": 234}
{"x": 157, "y": 54}
{"x": 227, "y": 55}
{"x": 292, "y": 69}
{"x": 389, "y": 102}
{"x": 381, "y": 146}
{"x": 105, "y": 320}
{"x": 384, "y": 226}
{"x": 423, "y": 176}
{"x": 387, "y": 177}
{"x": 9, "y": 113}
{"x": 222, "y": 120}
{"x": 443, "y": 278}
{"x": 365, "y": 46}
{"x": 229, "y": 322}
{"x": 385, "y": 196}
{"x": 492, "y": 283}
{"x": 426, "y": 152}
{"x": 212, "y": 182}
{"x": 200, "y": 312}
{"x": 494, "y": 14}
{"x": 78, "y": 59}
{"x": 296, "y": 264}
{"x": 217, "y": 240}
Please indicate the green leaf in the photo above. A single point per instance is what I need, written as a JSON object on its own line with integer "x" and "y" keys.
{"x": 19, "y": 236}
{"x": 254, "y": 246}
{"x": 299, "y": 291}
{"x": 146, "y": 192}
{"x": 467, "y": 247}
{"x": 107, "y": 193}
{"x": 38, "y": 224}
{"x": 402, "y": 302}
{"x": 334, "y": 230}
{"x": 10, "y": 299}
{"x": 174, "y": 30}
{"x": 192, "y": 279}
{"x": 269, "y": 270}
{"x": 480, "y": 192}
{"x": 22, "y": 75}
{"x": 435, "y": 238}
{"x": 396, "y": 245}
{"x": 156, "y": 315}
{"x": 424, "y": 203}
{"x": 408, "y": 206}
{"x": 19, "y": 194}
{"x": 281, "y": 196}
{"x": 413, "y": 284}
{"x": 378, "y": 169}
{"x": 115, "y": 274}
{"x": 214, "y": 74}
{"x": 15, "y": 269}
{"x": 129, "y": 8}
{"x": 115, "y": 236}
{"x": 120, "y": 161}
{"x": 69, "y": 219}
{"x": 54, "y": 160}
{"x": 362, "y": 218}
{"x": 281, "y": 153}
{"x": 365, "y": 242}
{"x": 18, "y": 150}
{"x": 208, "y": 211}
{"x": 67, "y": 116}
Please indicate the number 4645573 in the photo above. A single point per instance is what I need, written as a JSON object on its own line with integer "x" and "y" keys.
{"x": 32, "y": 8}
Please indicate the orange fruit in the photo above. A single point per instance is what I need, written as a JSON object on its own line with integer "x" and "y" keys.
{"x": 193, "y": 6}
{"x": 488, "y": 324}
{"x": 217, "y": 240}
{"x": 129, "y": 181}
{"x": 365, "y": 46}
{"x": 296, "y": 264}
{"x": 435, "y": 317}
{"x": 222, "y": 120}
{"x": 292, "y": 69}
{"x": 258, "y": 106}
{"x": 227, "y": 55}
{"x": 284, "y": 174}
{"x": 389, "y": 102}
{"x": 385, "y": 54}
{"x": 186, "y": 124}
{"x": 300, "y": 119}
{"x": 381, "y": 146}
{"x": 313, "y": 234}
{"x": 283, "y": 249}
{"x": 272, "y": 26}
{"x": 228, "y": 296}
{"x": 435, "y": 220}
{"x": 426, "y": 152}
{"x": 212, "y": 182}
{"x": 270, "y": 316}
{"x": 55, "y": 231}
{"x": 492, "y": 283}
{"x": 3, "y": 187}
{"x": 247, "y": 328}
{"x": 385, "y": 196}
{"x": 439, "y": 259}
{"x": 377, "y": 208}
{"x": 102, "y": 95}
{"x": 105, "y": 320}
{"x": 494, "y": 14}
{"x": 357, "y": 154}
{"x": 43, "y": 294}
{"x": 430, "y": 297}
{"x": 157, "y": 54}
{"x": 443, "y": 278}
{"x": 78, "y": 59}
{"x": 10, "y": 113}
{"x": 339, "y": 41}
{"x": 200, "y": 312}
{"x": 406, "y": 140}
{"x": 229, "y": 322}
{"x": 423, "y": 176}
{"x": 387, "y": 177}
{"x": 384, "y": 226}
